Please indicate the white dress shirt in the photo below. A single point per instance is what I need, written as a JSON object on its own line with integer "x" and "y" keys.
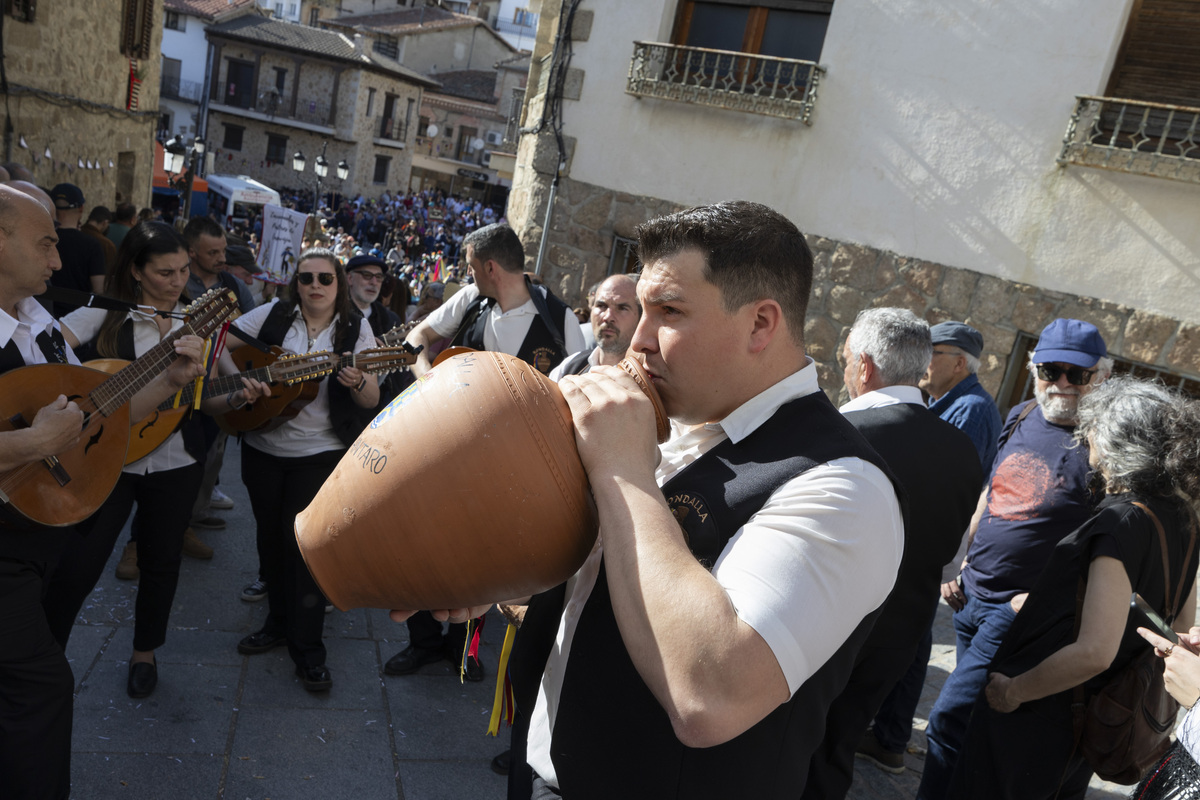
{"x": 32, "y": 319}
{"x": 85, "y": 324}
{"x": 887, "y": 396}
{"x": 505, "y": 331}
{"x": 804, "y": 570}
{"x": 310, "y": 431}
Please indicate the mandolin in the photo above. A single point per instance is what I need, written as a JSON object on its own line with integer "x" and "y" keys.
{"x": 293, "y": 380}
{"x": 67, "y": 488}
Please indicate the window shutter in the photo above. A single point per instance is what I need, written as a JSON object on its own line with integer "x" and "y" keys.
{"x": 1159, "y": 60}
{"x": 137, "y": 27}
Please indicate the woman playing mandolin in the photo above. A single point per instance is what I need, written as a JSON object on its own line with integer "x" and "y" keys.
{"x": 151, "y": 270}
{"x": 283, "y": 468}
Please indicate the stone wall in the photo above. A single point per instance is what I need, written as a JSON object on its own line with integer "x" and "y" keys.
{"x": 73, "y": 50}
{"x": 849, "y": 277}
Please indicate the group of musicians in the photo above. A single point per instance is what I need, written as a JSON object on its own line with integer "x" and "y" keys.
{"x": 47, "y": 572}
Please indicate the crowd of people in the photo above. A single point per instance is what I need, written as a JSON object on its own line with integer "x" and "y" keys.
{"x": 761, "y": 596}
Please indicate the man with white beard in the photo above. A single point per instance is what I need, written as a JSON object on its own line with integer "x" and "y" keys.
{"x": 1037, "y": 493}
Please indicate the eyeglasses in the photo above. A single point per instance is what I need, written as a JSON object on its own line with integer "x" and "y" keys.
{"x": 368, "y": 276}
{"x": 1076, "y": 376}
{"x": 306, "y": 278}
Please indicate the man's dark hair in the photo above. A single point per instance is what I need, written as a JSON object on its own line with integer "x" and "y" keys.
{"x": 99, "y": 214}
{"x": 498, "y": 243}
{"x": 201, "y": 226}
{"x": 125, "y": 213}
{"x": 751, "y": 253}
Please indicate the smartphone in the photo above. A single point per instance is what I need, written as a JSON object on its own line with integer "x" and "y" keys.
{"x": 1140, "y": 606}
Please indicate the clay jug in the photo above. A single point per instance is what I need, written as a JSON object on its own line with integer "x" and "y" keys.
{"x": 466, "y": 489}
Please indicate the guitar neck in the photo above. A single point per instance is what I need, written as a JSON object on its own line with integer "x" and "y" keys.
{"x": 121, "y": 387}
{"x": 215, "y": 387}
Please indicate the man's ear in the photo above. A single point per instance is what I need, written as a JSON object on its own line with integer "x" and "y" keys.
{"x": 767, "y": 323}
{"x": 866, "y": 371}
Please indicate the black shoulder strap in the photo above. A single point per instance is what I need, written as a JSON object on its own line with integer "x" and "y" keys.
{"x": 1007, "y": 433}
{"x": 538, "y": 295}
{"x": 125, "y": 348}
{"x": 53, "y": 346}
{"x": 276, "y": 325}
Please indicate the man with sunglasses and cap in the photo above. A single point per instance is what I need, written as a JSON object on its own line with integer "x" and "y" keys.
{"x": 1037, "y": 493}
{"x": 365, "y": 275}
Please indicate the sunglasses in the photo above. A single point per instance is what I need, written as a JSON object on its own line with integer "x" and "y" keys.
{"x": 1076, "y": 376}
{"x": 368, "y": 276}
{"x": 306, "y": 278}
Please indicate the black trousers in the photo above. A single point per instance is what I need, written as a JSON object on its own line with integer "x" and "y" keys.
{"x": 831, "y": 769}
{"x": 36, "y": 687}
{"x": 164, "y": 502}
{"x": 425, "y": 632}
{"x": 279, "y": 489}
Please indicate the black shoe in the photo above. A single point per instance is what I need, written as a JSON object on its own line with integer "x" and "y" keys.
{"x": 315, "y": 679}
{"x": 260, "y": 642}
{"x": 143, "y": 677}
{"x": 500, "y": 763}
{"x": 410, "y": 659}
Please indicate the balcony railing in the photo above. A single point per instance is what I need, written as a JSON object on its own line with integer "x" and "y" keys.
{"x": 310, "y": 111}
{"x": 394, "y": 129}
{"x": 1134, "y": 136}
{"x": 173, "y": 88}
{"x": 776, "y": 87}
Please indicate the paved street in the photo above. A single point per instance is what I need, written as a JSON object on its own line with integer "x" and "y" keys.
{"x": 222, "y": 725}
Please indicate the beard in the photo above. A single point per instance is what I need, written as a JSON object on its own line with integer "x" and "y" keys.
{"x": 1058, "y": 407}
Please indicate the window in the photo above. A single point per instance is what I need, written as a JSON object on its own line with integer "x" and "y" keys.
{"x": 233, "y": 136}
{"x": 370, "y": 102}
{"x": 423, "y": 126}
{"x": 525, "y": 19}
{"x": 387, "y": 46}
{"x": 382, "y": 165}
{"x": 280, "y": 78}
{"x": 448, "y": 132}
{"x": 623, "y": 258}
{"x": 170, "y": 76}
{"x": 276, "y": 147}
{"x": 1159, "y": 58}
{"x": 137, "y": 27}
{"x": 314, "y": 16}
{"x": 782, "y": 28}
{"x": 21, "y": 10}
{"x": 239, "y": 83}
{"x": 408, "y": 114}
{"x": 174, "y": 21}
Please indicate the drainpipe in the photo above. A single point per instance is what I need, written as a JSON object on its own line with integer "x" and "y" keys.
{"x": 537, "y": 268}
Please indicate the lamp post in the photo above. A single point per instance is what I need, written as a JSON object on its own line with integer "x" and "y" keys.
{"x": 321, "y": 169}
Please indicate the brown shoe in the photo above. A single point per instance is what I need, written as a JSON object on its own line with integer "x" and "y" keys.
{"x": 127, "y": 568}
{"x": 193, "y": 547}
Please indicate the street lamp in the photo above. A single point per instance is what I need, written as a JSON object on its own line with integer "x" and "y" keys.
{"x": 174, "y": 154}
{"x": 343, "y": 170}
{"x": 321, "y": 169}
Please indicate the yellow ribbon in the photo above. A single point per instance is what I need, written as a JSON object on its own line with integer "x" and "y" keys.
{"x": 502, "y": 696}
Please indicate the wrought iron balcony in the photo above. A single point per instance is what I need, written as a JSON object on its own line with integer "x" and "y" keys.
{"x": 175, "y": 89}
{"x": 776, "y": 87}
{"x": 394, "y": 129}
{"x": 1134, "y": 136}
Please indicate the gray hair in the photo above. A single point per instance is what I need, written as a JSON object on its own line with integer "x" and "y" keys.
{"x": 972, "y": 361}
{"x": 896, "y": 339}
{"x": 1145, "y": 437}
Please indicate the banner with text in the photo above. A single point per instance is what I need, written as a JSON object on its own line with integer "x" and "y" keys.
{"x": 282, "y": 238}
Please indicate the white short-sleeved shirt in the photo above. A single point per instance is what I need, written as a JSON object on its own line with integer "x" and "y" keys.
{"x": 505, "y": 331}
{"x": 31, "y": 321}
{"x": 85, "y": 324}
{"x": 311, "y": 430}
{"x": 788, "y": 571}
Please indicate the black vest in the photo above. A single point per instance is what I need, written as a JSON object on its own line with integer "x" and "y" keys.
{"x": 52, "y": 345}
{"x": 345, "y": 416}
{"x": 577, "y": 364}
{"x": 611, "y": 737}
{"x": 543, "y": 346}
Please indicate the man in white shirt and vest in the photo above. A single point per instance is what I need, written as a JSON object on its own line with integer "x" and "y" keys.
{"x": 738, "y": 568}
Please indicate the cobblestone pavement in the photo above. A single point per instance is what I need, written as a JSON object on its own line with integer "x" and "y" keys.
{"x": 223, "y": 725}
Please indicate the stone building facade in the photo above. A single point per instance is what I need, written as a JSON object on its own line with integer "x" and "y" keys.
{"x": 279, "y": 88}
{"x": 70, "y": 71}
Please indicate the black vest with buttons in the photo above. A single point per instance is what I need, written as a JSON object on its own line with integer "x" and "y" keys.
{"x": 611, "y": 737}
{"x": 542, "y": 347}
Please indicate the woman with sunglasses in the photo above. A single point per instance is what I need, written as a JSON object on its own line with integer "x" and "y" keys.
{"x": 151, "y": 270}
{"x": 283, "y": 468}
{"x": 1075, "y": 628}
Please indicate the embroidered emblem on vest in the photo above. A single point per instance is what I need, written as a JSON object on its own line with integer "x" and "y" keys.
{"x": 542, "y": 359}
{"x": 699, "y": 528}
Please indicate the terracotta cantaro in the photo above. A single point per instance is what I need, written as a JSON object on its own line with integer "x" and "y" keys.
{"x": 466, "y": 489}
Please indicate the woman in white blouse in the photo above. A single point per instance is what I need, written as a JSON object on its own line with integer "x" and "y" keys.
{"x": 1177, "y": 775}
{"x": 283, "y": 468}
{"x": 151, "y": 270}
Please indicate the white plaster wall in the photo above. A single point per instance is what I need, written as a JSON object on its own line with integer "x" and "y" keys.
{"x": 190, "y": 47}
{"x": 935, "y": 135}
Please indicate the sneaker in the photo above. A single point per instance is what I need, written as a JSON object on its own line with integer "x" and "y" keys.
{"x": 209, "y": 523}
{"x": 193, "y": 547}
{"x": 127, "y": 568}
{"x": 870, "y": 749}
{"x": 220, "y": 500}
{"x": 255, "y": 591}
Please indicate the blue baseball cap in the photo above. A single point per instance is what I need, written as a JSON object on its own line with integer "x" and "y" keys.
{"x": 1070, "y": 341}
